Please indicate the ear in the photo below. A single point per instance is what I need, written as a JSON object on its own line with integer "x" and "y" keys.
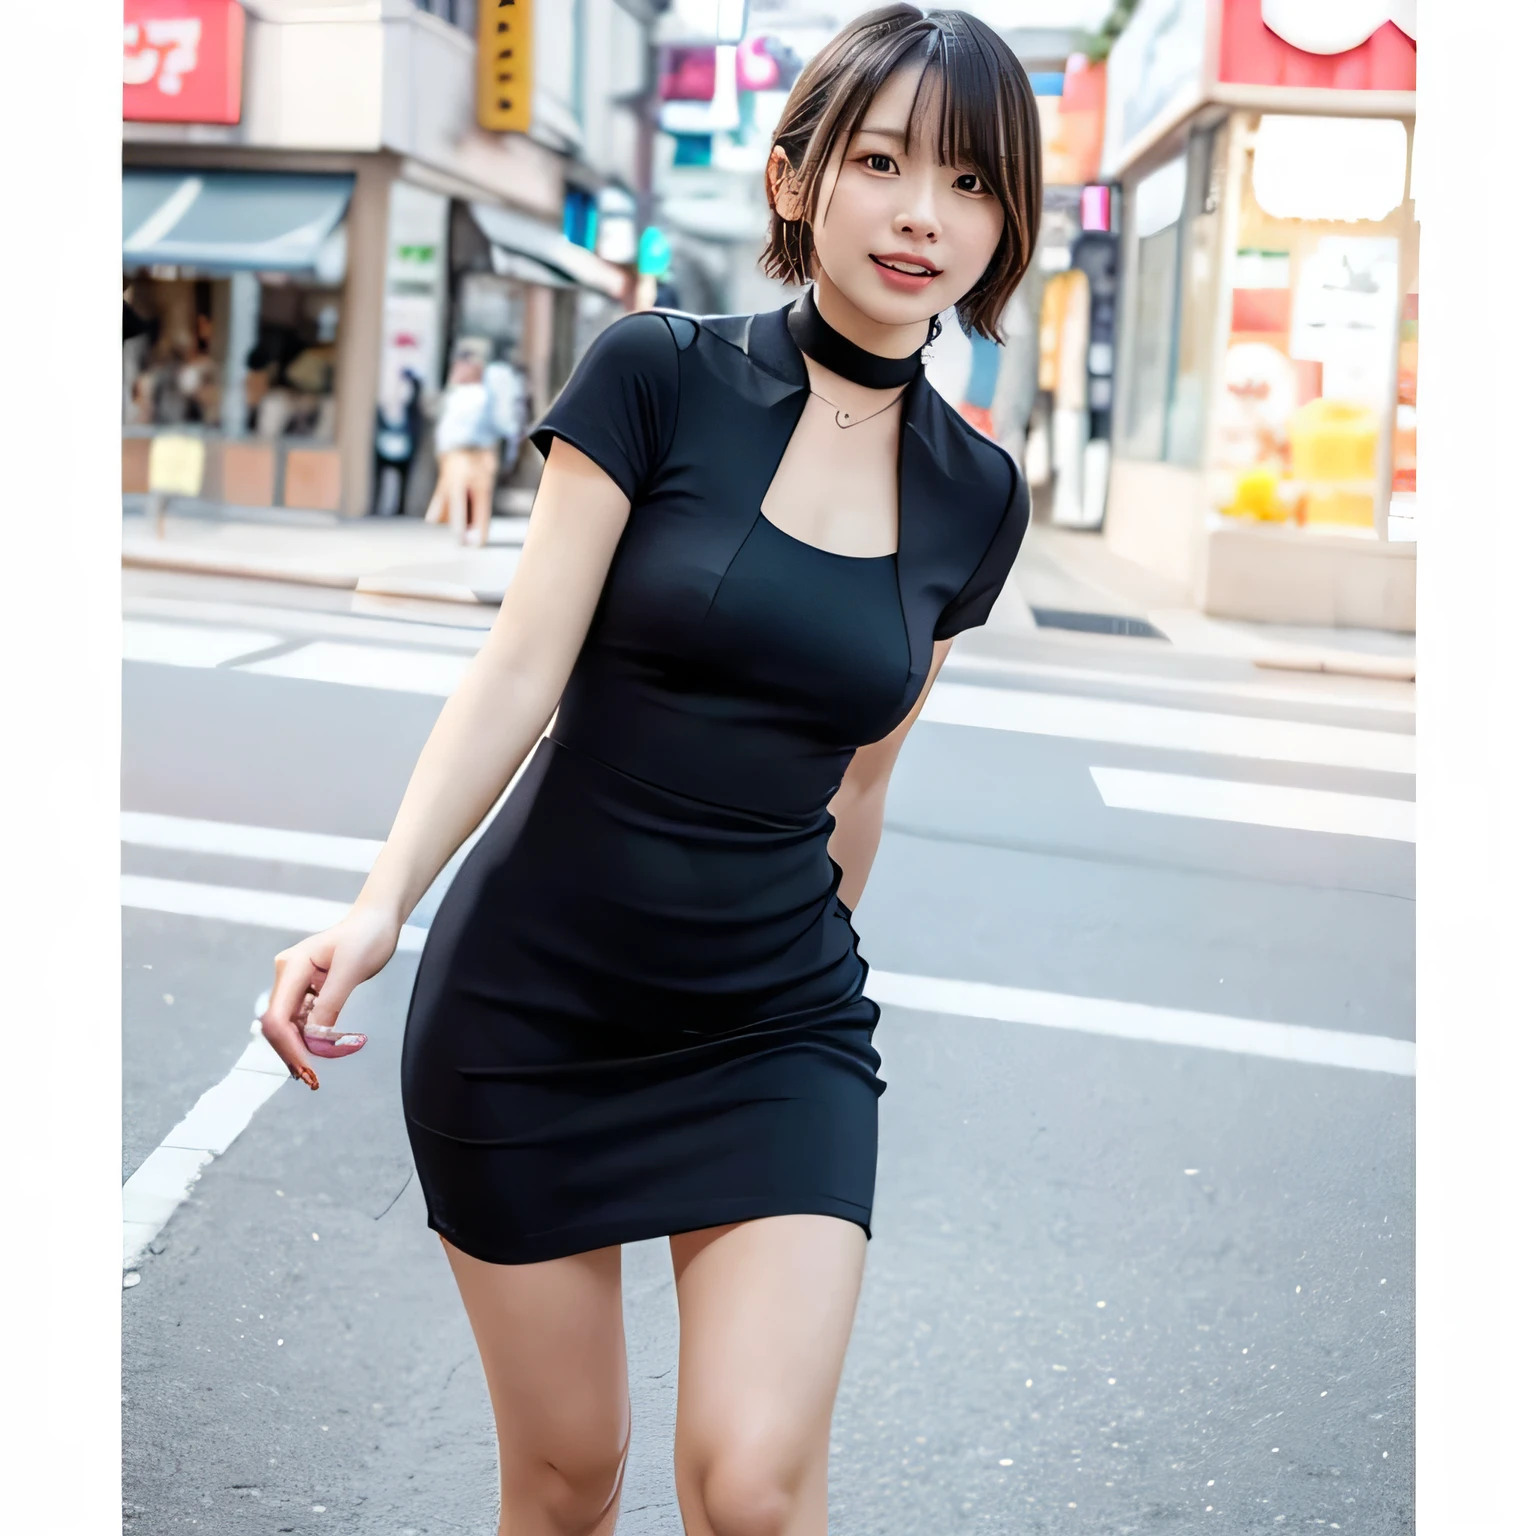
{"x": 782, "y": 193}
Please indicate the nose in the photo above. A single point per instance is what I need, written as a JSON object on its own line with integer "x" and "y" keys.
{"x": 920, "y": 218}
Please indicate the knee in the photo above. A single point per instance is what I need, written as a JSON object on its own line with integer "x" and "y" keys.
{"x": 577, "y": 1490}
{"x": 747, "y": 1491}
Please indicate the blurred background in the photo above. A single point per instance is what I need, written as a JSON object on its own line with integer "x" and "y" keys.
{"x": 1211, "y": 366}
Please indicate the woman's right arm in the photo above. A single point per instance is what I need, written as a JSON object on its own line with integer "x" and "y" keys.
{"x": 486, "y": 729}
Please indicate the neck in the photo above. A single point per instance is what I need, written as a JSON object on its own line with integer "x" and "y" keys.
{"x": 872, "y": 335}
{"x": 821, "y": 342}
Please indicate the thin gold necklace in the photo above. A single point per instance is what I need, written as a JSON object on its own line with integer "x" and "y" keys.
{"x": 845, "y": 419}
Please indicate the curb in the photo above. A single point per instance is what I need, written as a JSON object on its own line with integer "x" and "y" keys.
{"x": 1384, "y": 668}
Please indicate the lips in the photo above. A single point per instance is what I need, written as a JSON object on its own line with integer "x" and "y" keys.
{"x": 907, "y": 266}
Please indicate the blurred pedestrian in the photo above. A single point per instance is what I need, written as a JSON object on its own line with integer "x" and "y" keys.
{"x": 396, "y": 434}
{"x": 466, "y": 454}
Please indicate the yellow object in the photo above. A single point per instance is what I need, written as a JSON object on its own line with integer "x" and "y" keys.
{"x": 176, "y": 465}
{"x": 1333, "y": 455}
{"x": 1333, "y": 440}
{"x": 504, "y": 73}
{"x": 1256, "y": 496}
{"x": 1349, "y": 509}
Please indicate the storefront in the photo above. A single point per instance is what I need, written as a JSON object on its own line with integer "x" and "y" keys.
{"x": 299, "y": 266}
{"x": 1263, "y": 436}
{"x": 236, "y": 284}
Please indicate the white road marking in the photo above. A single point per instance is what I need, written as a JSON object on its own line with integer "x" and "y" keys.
{"x": 309, "y": 621}
{"x": 190, "y": 645}
{"x": 1178, "y": 730}
{"x": 257, "y": 909}
{"x": 1137, "y": 1021}
{"x": 165, "y": 1178}
{"x": 366, "y": 666}
{"x": 1395, "y": 698}
{"x": 1142, "y": 1021}
{"x": 1262, "y": 805}
{"x": 188, "y": 835}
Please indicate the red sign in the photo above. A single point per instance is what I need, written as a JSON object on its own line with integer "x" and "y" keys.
{"x": 182, "y": 61}
{"x": 1252, "y": 54}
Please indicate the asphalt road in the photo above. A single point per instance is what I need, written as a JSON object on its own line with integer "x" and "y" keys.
{"x": 1116, "y": 1285}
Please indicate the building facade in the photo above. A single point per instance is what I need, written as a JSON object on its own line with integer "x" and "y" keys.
{"x": 1264, "y": 429}
{"x": 314, "y": 222}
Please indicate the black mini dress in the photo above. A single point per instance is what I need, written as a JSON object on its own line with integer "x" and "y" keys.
{"x": 640, "y": 1007}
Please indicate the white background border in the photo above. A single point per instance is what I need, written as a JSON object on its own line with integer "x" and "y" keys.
{"x": 60, "y": 687}
{"x": 59, "y": 273}
{"x": 1477, "y": 800}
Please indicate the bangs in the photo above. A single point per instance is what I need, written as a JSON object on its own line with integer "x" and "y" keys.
{"x": 974, "y": 92}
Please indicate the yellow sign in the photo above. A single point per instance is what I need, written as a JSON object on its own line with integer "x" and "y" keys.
{"x": 504, "y": 89}
{"x": 176, "y": 465}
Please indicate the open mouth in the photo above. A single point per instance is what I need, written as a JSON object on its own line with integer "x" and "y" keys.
{"x": 906, "y": 268}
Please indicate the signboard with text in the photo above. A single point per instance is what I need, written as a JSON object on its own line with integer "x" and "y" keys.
{"x": 182, "y": 61}
{"x": 504, "y": 86}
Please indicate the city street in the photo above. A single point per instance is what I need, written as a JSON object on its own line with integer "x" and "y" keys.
{"x": 1142, "y": 929}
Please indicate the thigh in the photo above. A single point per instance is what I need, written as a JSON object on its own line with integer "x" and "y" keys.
{"x": 765, "y": 1311}
{"x": 551, "y": 1338}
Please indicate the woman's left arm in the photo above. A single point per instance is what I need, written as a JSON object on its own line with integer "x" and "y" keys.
{"x": 859, "y": 805}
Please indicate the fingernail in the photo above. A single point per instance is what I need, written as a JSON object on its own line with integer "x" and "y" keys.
{"x": 307, "y": 1075}
{"x": 352, "y": 1040}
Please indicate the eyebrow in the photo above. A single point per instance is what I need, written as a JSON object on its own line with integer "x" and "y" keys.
{"x": 883, "y": 133}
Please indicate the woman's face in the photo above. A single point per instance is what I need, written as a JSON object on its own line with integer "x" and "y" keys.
{"x": 901, "y": 236}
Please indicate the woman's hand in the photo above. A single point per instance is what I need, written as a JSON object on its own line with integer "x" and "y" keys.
{"x": 315, "y": 978}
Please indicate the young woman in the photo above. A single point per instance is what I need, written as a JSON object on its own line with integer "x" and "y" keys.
{"x": 640, "y": 1009}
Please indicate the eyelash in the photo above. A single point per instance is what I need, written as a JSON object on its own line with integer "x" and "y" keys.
{"x": 971, "y": 175}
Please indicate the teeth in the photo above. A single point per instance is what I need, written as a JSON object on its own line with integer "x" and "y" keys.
{"x": 907, "y": 267}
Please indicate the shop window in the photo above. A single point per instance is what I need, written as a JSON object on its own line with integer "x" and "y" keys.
{"x": 1158, "y": 204}
{"x": 177, "y": 368}
{"x": 1314, "y": 417}
{"x": 1199, "y": 263}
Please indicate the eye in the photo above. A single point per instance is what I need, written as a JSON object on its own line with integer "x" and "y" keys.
{"x": 969, "y": 181}
{"x": 878, "y": 162}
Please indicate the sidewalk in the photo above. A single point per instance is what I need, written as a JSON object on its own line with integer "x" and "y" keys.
{"x": 1062, "y": 578}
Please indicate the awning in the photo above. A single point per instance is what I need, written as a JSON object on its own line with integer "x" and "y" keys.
{"x": 231, "y": 221}
{"x": 525, "y": 269}
{"x": 518, "y": 235}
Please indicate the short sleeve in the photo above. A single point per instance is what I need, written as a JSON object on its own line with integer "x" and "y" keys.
{"x": 971, "y": 605}
{"x": 619, "y": 407}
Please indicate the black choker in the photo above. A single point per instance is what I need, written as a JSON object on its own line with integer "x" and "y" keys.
{"x": 833, "y": 350}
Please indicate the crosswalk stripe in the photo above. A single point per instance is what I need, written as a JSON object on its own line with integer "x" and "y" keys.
{"x": 1142, "y": 1021}
{"x": 437, "y": 674}
{"x": 187, "y": 834}
{"x": 1179, "y": 730}
{"x": 236, "y": 904}
{"x": 367, "y": 666}
{"x": 188, "y": 645}
{"x": 1263, "y": 805}
{"x": 300, "y": 622}
{"x": 1335, "y": 693}
{"x": 1054, "y": 1010}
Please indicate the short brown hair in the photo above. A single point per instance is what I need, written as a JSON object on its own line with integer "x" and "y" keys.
{"x": 987, "y": 119}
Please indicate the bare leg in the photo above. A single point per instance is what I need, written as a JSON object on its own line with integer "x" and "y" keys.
{"x": 765, "y": 1309}
{"x": 437, "y": 508}
{"x": 482, "y": 487}
{"x": 458, "y": 489}
{"x": 551, "y": 1340}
